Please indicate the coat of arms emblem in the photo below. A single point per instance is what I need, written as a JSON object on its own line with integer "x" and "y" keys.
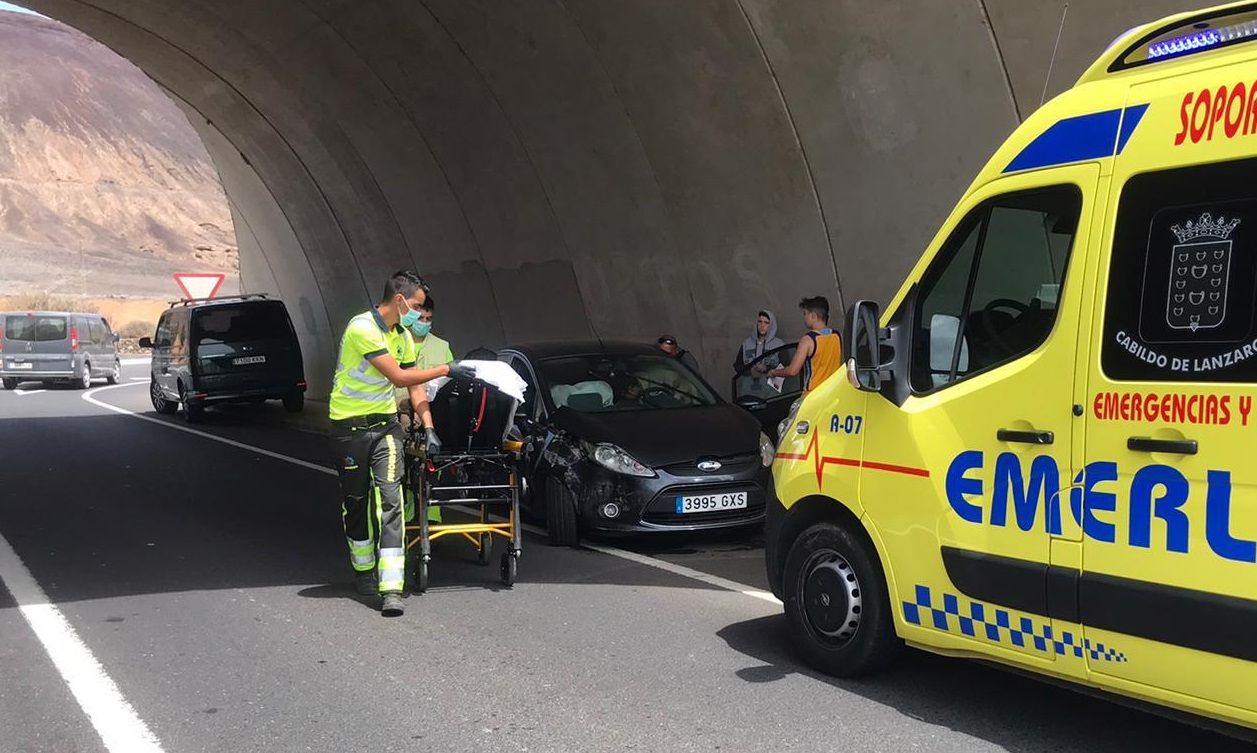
{"x": 1200, "y": 268}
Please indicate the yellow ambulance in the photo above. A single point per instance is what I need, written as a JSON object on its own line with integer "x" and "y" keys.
{"x": 1043, "y": 452}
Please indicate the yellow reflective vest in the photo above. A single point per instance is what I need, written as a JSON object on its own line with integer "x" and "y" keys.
{"x": 358, "y": 388}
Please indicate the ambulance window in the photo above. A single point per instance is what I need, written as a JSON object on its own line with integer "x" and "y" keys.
{"x": 992, "y": 294}
{"x": 1183, "y": 277}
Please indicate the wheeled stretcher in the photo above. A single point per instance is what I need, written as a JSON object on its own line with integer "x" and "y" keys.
{"x": 476, "y": 467}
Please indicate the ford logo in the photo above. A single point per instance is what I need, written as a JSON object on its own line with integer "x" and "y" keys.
{"x": 710, "y": 466}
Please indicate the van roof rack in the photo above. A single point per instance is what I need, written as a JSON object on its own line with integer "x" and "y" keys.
{"x": 241, "y": 297}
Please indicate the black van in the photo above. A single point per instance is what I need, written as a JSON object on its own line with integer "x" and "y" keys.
{"x": 224, "y": 350}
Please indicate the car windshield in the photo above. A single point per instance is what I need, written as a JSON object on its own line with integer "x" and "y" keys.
{"x": 34, "y": 328}
{"x": 241, "y": 322}
{"x": 608, "y": 383}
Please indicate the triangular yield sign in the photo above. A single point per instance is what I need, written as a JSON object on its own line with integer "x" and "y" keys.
{"x": 199, "y": 285}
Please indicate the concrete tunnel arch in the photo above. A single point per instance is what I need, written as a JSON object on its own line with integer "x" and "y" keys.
{"x": 577, "y": 168}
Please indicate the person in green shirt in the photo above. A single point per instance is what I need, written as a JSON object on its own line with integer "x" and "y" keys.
{"x": 377, "y": 354}
{"x": 433, "y": 351}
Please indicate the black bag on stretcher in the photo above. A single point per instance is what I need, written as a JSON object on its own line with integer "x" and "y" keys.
{"x": 471, "y": 416}
{"x": 475, "y": 466}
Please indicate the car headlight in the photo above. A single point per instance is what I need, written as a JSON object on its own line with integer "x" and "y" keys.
{"x": 614, "y": 459}
{"x": 766, "y": 450}
{"x": 787, "y": 423}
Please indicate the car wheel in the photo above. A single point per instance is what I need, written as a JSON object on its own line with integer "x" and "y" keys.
{"x": 85, "y": 377}
{"x": 159, "y": 401}
{"x": 561, "y": 523}
{"x": 10, "y": 383}
{"x": 193, "y": 414}
{"x": 115, "y": 376}
{"x": 836, "y": 602}
{"x": 294, "y": 402}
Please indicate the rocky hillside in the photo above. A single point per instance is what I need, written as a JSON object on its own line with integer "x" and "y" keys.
{"x": 104, "y": 187}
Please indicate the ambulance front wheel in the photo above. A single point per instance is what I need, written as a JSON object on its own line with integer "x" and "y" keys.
{"x": 836, "y": 602}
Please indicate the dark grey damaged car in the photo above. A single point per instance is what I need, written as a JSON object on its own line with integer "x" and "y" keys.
{"x": 628, "y": 440}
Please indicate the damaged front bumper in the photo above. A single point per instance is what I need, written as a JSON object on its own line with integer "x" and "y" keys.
{"x": 610, "y": 502}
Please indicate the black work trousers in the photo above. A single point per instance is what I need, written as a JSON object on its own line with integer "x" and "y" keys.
{"x": 371, "y": 465}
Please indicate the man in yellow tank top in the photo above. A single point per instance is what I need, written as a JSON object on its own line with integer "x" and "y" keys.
{"x": 820, "y": 349}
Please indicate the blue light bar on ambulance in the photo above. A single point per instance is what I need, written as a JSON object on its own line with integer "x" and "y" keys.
{"x": 1188, "y": 37}
{"x": 1186, "y": 43}
{"x": 1201, "y": 40}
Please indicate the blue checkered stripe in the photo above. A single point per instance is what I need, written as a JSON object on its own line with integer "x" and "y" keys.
{"x": 998, "y": 626}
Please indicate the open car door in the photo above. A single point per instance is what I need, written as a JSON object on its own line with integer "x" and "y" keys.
{"x": 769, "y": 400}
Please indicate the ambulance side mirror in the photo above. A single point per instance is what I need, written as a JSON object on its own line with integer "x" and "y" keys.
{"x": 868, "y": 367}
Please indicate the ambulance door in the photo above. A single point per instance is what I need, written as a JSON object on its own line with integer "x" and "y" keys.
{"x": 962, "y": 477}
{"x": 1168, "y": 589}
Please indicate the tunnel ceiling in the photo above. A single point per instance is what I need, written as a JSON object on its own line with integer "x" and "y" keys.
{"x": 568, "y": 168}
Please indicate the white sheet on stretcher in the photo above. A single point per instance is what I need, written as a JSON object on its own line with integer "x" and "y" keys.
{"x": 496, "y": 373}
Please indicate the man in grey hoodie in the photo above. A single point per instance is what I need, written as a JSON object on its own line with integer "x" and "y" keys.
{"x": 762, "y": 340}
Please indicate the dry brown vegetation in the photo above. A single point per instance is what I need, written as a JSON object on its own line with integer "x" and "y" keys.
{"x": 49, "y": 302}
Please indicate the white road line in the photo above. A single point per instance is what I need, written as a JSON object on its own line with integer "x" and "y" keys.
{"x": 24, "y": 393}
{"x": 672, "y": 567}
{"x": 139, "y": 379}
{"x": 660, "y": 564}
{"x": 89, "y": 396}
{"x": 115, "y": 720}
{"x": 641, "y": 559}
{"x": 134, "y": 361}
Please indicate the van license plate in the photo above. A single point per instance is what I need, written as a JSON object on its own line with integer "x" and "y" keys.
{"x": 248, "y": 360}
{"x": 21, "y": 365}
{"x": 711, "y": 502}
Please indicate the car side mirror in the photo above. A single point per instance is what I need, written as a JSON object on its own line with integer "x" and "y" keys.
{"x": 870, "y": 361}
{"x": 145, "y": 342}
{"x": 116, "y": 338}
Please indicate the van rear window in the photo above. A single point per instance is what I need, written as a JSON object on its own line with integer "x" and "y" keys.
{"x": 34, "y": 328}
{"x": 241, "y": 322}
{"x": 1183, "y": 280}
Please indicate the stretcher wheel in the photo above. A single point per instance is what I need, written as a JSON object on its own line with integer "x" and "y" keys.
{"x": 421, "y": 576}
{"x": 508, "y": 569}
{"x": 486, "y": 548}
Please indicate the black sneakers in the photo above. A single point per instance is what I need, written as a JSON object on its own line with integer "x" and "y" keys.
{"x": 393, "y": 605}
{"x": 365, "y": 583}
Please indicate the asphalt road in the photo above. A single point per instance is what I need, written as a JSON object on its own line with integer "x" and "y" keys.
{"x": 209, "y": 582}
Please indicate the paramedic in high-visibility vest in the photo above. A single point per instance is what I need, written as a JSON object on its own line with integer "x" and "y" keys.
{"x": 820, "y": 349}
{"x": 377, "y": 353}
{"x": 432, "y": 351}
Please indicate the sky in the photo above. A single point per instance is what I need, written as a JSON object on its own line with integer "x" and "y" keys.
{"x": 16, "y": 8}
